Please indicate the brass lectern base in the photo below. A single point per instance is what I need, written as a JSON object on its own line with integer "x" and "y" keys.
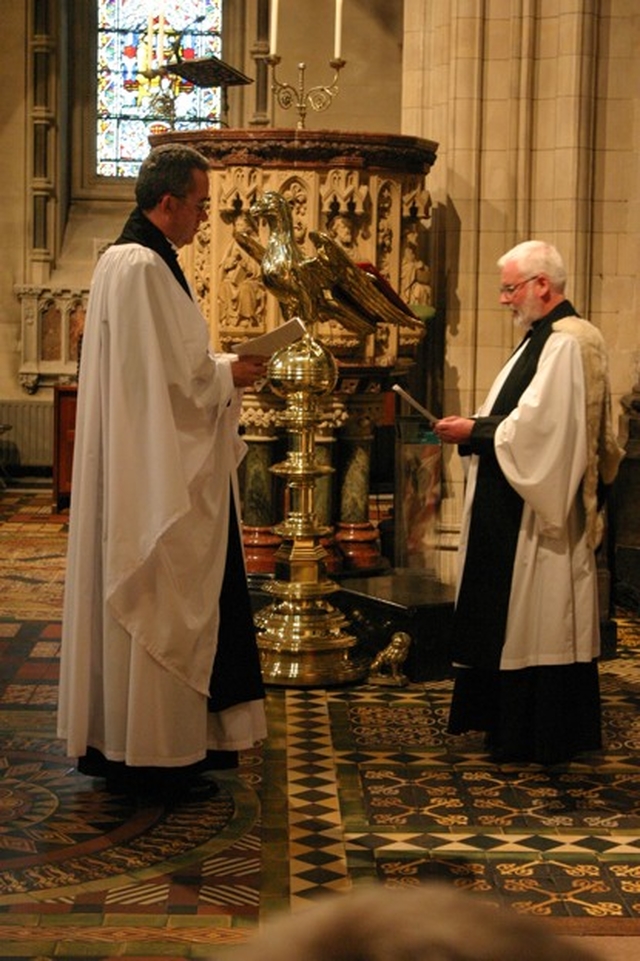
{"x": 309, "y": 668}
{"x": 302, "y": 644}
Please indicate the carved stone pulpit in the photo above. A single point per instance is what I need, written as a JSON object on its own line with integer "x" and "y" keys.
{"x": 367, "y": 192}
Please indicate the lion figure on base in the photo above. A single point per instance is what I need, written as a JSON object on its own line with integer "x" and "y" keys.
{"x": 386, "y": 667}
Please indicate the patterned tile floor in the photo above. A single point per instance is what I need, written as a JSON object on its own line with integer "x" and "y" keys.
{"x": 353, "y": 784}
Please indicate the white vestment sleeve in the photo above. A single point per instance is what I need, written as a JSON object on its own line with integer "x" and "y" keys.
{"x": 542, "y": 446}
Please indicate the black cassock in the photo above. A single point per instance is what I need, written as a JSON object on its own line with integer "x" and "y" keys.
{"x": 543, "y": 714}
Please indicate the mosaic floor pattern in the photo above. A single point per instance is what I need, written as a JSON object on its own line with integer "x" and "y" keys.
{"x": 416, "y": 804}
{"x": 83, "y": 872}
{"x": 352, "y": 784}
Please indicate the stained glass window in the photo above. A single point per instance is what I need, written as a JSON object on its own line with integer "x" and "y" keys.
{"x": 135, "y": 98}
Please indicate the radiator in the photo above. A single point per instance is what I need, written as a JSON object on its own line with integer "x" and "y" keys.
{"x": 29, "y": 443}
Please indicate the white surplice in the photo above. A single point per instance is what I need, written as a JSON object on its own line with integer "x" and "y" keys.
{"x": 156, "y": 453}
{"x": 541, "y": 447}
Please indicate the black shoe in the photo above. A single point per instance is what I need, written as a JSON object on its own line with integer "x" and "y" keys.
{"x": 194, "y": 790}
{"x": 222, "y": 760}
{"x": 164, "y": 791}
{"x": 502, "y": 756}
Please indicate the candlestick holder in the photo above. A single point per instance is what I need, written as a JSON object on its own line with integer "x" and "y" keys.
{"x": 318, "y": 98}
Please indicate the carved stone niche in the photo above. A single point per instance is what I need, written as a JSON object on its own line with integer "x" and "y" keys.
{"x": 368, "y": 192}
{"x": 51, "y": 334}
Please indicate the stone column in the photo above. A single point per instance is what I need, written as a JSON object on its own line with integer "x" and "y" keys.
{"x": 357, "y": 538}
{"x": 260, "y": 510}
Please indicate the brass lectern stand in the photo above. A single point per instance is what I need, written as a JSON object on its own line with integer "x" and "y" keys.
{"x": 301, "y": 635}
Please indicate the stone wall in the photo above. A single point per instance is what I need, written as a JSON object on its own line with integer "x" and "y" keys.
{"x": 536, "y": 109}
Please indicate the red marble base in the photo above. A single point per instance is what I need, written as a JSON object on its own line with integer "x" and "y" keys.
{"x": 260, "y": 546}
{"x": 360, "y": 546}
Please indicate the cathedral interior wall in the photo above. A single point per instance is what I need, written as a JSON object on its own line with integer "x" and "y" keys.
{"x": 535, "y": 110}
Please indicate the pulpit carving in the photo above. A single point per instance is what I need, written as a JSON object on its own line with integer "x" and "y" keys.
{"x": 240, "y": 291}
{"x": 359, "y": 196}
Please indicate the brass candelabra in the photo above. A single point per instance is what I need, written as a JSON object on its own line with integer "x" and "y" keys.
{"x": 318, "y": 98}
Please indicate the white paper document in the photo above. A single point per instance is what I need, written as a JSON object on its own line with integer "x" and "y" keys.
{"x": 266, "y": 344}
{"x": 414, "y": 403}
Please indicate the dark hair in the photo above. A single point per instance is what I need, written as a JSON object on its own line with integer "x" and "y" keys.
{"x": 167, "y": 170}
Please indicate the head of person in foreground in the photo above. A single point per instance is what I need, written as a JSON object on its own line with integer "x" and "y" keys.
{"x": 432, "y": 922}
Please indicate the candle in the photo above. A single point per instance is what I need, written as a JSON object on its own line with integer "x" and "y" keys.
{"x": 150, "y": 40}
{"x": 161, "y": 37}
{"x": 143, "y": 53}
{"x": 338, "y": 32}
{"x": 274, "y": 28}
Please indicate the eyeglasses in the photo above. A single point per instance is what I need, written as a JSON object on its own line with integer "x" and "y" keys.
{"x": 508, "y": 290}
{"x": 202, "y": 206}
